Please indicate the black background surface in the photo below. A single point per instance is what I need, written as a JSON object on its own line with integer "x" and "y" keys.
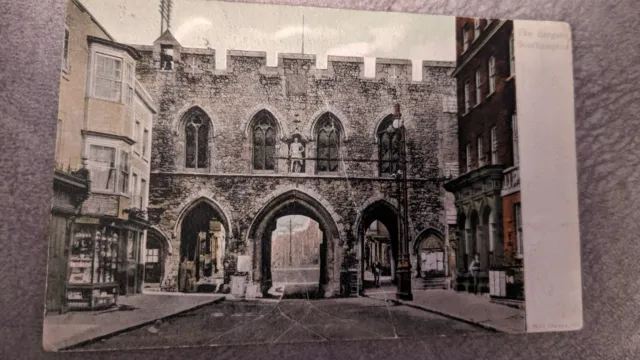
{"x": 607, "y": 72}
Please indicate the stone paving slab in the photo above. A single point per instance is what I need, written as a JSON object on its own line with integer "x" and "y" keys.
{"x": 470, "y": 308}
{"x": 73, "y": 328}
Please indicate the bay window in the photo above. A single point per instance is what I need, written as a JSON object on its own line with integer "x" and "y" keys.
{"x": 102, "y": 163}
{"x": 107, "y": 82}
{"x": 123, "y": 183}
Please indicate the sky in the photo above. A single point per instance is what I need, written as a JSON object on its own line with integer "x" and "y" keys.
{"x": 275, "y": 28}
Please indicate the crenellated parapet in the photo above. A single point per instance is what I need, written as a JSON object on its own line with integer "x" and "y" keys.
{"x": 200, "y": 61}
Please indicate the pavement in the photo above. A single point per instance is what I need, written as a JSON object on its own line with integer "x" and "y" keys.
{"x": 288, "y": 321}
{"x": 78, "y": 327}
{"x": 470, "y": 308}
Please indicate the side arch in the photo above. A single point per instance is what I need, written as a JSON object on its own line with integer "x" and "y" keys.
{"x": 425, "y": 234}
{"x": 195, "y": 200}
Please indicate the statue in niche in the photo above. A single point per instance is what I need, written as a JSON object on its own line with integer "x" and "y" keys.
{"x": 296, "y": 154}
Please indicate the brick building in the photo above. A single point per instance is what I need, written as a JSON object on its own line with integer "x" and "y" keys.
{"x": 102, "y": 169}
{"x": 487, "y": 189}
{"x": 251, "y": 143}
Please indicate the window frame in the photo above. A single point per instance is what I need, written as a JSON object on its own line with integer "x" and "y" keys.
{"x": 66, "y": 42}
{"x": 465, "y": 38}
{"x": 155, "y": 255}
{"x": 477, "y": 30}
{"x": 479, "y": 85}
{"x": 467, "y": 94}
{"x": 274, "y": 125}
{"x": 494, "y": 145}
{"x": 337, "y": 129}
{"x": 517, "y": 224}
{"x": 514, "y": 139}
{"x": 135, "y": 179}
{"x": 512, "y": 56}
{"x": 491, "y": 64}
{"x": 480, "y": 150}
{"x": 114, "y": 169}
{"x": 97, "y": 50}
{"x": 384, "y": 125}
{"x": 124, "y": 171}
{"x": 205, "y": 121}
{"x": 144, "y": 191}
{"x": 95, "y": 77}
{"x": 468, "y": 157}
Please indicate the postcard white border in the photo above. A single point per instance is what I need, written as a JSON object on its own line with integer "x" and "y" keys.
{"x": 548, "y": 175}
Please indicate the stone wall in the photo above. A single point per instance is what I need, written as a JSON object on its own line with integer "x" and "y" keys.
{"x": 296, "y": 93}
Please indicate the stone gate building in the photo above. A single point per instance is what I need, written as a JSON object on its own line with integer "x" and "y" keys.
{"x": 222, "y": 171}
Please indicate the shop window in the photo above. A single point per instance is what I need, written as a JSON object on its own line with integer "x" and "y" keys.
{"x": 389, "y": 140}
{"x": 328, "y": 140}
{"x": 264, "y": 142}
{"x": 107, "y": 82}
{"x": 102, "y": 164}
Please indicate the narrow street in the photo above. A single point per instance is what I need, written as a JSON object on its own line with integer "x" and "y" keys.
{"x": 284, "y": 321}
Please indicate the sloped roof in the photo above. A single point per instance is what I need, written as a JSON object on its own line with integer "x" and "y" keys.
{"x": 167, "y": 36}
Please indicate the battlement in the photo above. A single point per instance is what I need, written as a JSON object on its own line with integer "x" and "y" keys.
{"x": 205, "y": 60}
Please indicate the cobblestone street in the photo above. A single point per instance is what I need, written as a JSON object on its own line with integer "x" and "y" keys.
{"x": 250, "y": 322}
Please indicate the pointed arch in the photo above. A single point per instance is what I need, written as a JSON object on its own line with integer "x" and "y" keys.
{"x": 388, "y": 140}
{"x": 424, "y": 234}
{"x": 193, "y": 203}
{"x": 294, "y": 202}
{"x": 250, "y": 118}
{"x": 194, "y": 130}
{"x": 328, "y": 133}
{"x": 345, "y": 123}
{"x": 264, "y": 141}
{"x": 179, "y": 121}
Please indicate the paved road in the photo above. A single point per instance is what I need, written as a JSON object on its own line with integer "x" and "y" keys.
{"x": 285, "y": 321}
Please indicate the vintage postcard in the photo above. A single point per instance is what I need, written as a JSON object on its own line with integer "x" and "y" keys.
{"x": 231, "y": 174}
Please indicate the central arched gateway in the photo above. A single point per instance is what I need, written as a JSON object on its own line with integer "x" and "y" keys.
{"x": 293, "y": 202}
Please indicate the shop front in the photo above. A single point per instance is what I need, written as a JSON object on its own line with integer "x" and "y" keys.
{"x": 104, "y": 262}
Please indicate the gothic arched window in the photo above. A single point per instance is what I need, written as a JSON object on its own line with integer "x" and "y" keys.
{"x": 388, "y": 147}
{"x": 197, "y": 139}
{"x": 264, "y": 141}
{"x": 328, "y": 140}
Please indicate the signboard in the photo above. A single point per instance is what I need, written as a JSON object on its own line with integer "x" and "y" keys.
{"x": 243, "y": 264}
